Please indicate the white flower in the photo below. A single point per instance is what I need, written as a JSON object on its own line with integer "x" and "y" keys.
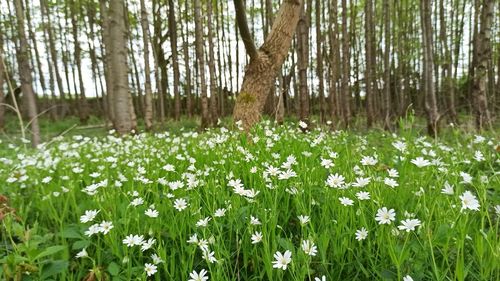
{"x": 180, "y": 204}
{"x": 363, "y": 195}
{"x": 105, "y": 227}
{"x": 309, "y": 248}
{"x": 152, "y": 213}
{"x": 169, "y": 168}
{"x": 89, "y": 216}
{"x": 466, "y": 178}
{"x": 469, "y": 201}
{"x": 82, "y": 254}
{"x": 137, "y": 201}
{"x": 254, "y": 220}
{"x": 368, "y": 161}
{"x": 133, "y": 240}
{"x": 203, "y": 222}
{"x": 407, "y": 278}
{"x": 303, "y": 125}
{"x": 346, "y": 201}
{"x": 409, "y": 224}
{"x": 193, "y": 239}
{"x": 447, "y": 189}
{"x": 327, "y": 163}
{"x": 209, "y": 256}
{"x": 282, "y": 260}
{"x": 335, "y": 181}
{"x": 478, "y": 156}
{"x": 391, "y": 182}
{"x": 220, "y": 213}
{"x": 93, "y": 229}
{"x": 361, "y": 234}
{"x": 385, "y": 216}
{"x": 323, "y": 278}
{"x": 146, "y": 245}
{"x": 256, "y": 237}
{"x": 393, "y": 173}
{"x": 399, "y": 145}
{"x": 195, "y": 276}
{"x": 303, "y": 219}
{"x": 497, "y": 209}
{"x": 150, "y": 269}
{"x": 421, "y": 162}
{"x": 156, "y": 259}
{"x": 361, "y": 182}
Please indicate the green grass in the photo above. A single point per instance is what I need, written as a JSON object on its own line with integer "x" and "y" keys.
{"x": 52, "y": 188}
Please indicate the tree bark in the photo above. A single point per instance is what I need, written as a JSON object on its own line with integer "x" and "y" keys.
{"x": 264, "y": 63}
{"x": 172, "y": 28}
{"x": 23, "y": 59}
{"x": 387, "y": 65}
{"x": 319, "y": 60}
{"x": 427, "y": 76}
{"x": 200, "y": 55}
{"x": 148, "y": 98}
{"x": 211, "y": 67}
{"x": 303, "y": 62}
{"x": 185, "y": 49}
{"x": 124, "y": 121}
{"x": 482, "y": 54}
{"x": 334, "y": 60}
{"x": 2, "y": 79}
{"x": 346, "y": 92}
{"x": 368, "y": 59}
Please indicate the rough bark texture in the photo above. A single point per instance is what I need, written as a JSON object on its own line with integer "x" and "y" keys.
{"x": 428, "y": 78}
{"x": 185, "y": 49}
{"x": 387, "y": 66}
{"x": 124, "y": 121}
{"x": 346, "y": 92}
{"x": 211, "y": 67}
{"x": 319, "y": 62}
{"x": 334, "y": 62}
{"x": 482, "y": 54}
{"x": 200, "y": 55}
{"x": 2, "y": 79}
{"x": 303, "y": 62}
{"x": 368, "y": 58}
{"x": 172, "y": 28}
{"x": 23, "y": 60}
{"x": 148, "y": 98}
{"x": 265, "y": 63}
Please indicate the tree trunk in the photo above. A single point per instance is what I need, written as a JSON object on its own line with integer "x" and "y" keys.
{"x": 387, "y": 66}
{"x": 319, "y": 60}
{"x": 346, "y": 93}
{"x": 427, "y": 76}
{"x": 148, "y": 99}
{"x": 200, "y": 55}
{"x": 368, "y": 59}
{"x": 185, "y": 49}
{"x": 334, "y": 62}
{"x": 211, "y": 67}
{"x": 303, "y": 62}
{"x": 23, "y": 58}
{"x": 265, "y": 62}
{"x": 2, "y": 79}
{"x": 172, "y": 28}
{"x": 482, "y": 53}
{"x": 124, "y": 121}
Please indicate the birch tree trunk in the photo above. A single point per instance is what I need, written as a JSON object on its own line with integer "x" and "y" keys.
{"x": 124, "y": 121}
{"x": 23, "y": 60}
{"x": 482, "y": 54}
{"x": 428, "y": 78}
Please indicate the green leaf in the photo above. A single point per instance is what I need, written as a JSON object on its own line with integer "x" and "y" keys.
{"x": 50, "y": 251}
{"x": 113, "y": 269}
{"x": 53, "y": 268}
{"x": 70, "y": 232}
{"x": 80, "y": 244}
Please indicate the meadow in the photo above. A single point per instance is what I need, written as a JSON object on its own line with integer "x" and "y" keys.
{"x": 282, "y": 203}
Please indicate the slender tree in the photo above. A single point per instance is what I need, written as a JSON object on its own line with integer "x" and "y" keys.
{"x": 214, "y": 115}
{"x": 172, "y": 26}
{"x": 303, "y": 62}
{"x": 23, "y": 60}
{"x": 200, "y": 55}
{"x": 148, "y": 98}
{"x": 265, "y": 62}
{"x": 427, "y": 76}
{"x": 124, "y": 119}
{"x": 482, "y": 54}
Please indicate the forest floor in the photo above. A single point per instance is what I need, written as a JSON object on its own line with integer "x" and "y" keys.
{"x": 278, "y": 204}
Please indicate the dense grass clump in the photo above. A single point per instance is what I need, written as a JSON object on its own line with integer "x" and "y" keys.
{"x": 277, "y": 204}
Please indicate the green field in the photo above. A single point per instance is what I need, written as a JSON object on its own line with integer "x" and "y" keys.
{"x": 278, "y": 204}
